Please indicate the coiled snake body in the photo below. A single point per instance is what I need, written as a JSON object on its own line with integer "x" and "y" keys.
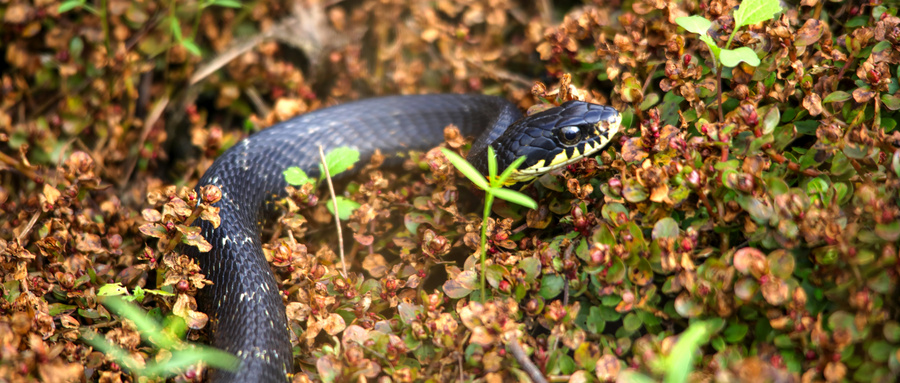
{"x": 247, "y": 312}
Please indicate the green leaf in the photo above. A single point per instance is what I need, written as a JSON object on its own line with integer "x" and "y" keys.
{"x": 69, "y": 5}
{"x": 712, "y": 46}
{"x": 888, "y": 231}
{"x": 632, "y": 322}
{"x": 509, "y": 169}
{"x": 462, "y": 285}
{"x": 408, "y": 312}
{"x": 770, "y": 117}
{"x": 694, "y": 24}
{"x": 890, "y": 101}
{"x": 340, "y": 160}
{"x": 633, "y": 191}
{"x": 649, "y": 100}
{"x": 345, "y": 207}
{"x": 735, "y": 332}
{"x": 466, "y": 169}
{"x": 551, "y": 286}
{"x": 227, "y": 3}
{"x": 857, "y": 21}
{"x": 817, "y": 185}
{"x": 160, "y": 292}
{"x": 296, "y": 176}
{"x": 514, "y": 197}
{"x": 594, "y": 321}
{"x": 492, "y": 163}
{"x": 191, "y": 47}
{"x": 733, "y": 57}
{"x": 881, "y": 46}
{"x": 880, "y": 351}
{"x": 755, "y": 11}
{"x": 112, "y": 290}
{"x": 176, "y": 28}
{"x": 76, "y": 46}
{"x": 681, "y": 358}
{"x": 665, "y": 228}
{"x": 895, "y": 163}
{"x": 139, "y": 293}
{"x": 616, "y": 272}
{"x": 531, "y": 266}
{"x": 836, "y": 96}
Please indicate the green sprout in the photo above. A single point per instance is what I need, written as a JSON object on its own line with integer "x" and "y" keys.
{"x": 339, "y": 160}
{"x": 749, "y": 12}
{"x": 166, "y": 339}
{"x": 493, "y": 187}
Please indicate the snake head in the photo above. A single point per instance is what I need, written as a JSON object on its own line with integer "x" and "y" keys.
{"x": 555, "y": 138}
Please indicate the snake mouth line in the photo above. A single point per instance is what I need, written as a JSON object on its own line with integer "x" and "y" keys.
{"x": 604, "y": 132}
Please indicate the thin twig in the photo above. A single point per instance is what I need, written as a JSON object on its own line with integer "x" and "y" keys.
{"x": 151, "y": 120}
{"x": 792, "y": 166}
{"x": 460, "y": 361}
{"x": 261, "y": 108}
{"x": 337, "y": 218}
{"x": 226, "y": 57}
{"x": 28, "y": 228}
{"x": 21, "y": 167}
{"x": 840, "y": 75}
{"x": 649, "y": 79}
{"x": 519, "y": 353}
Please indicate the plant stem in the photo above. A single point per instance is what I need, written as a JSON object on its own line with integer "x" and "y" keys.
{"x": 196, "y": 22}
{"x": 522, "y": 357}
{"x": 719, "y": 90}
{"x": 104, "y": 22}
{"x": 733, "y": 31}
{"x": 488, "y": 201}
{"x": 840, "y": 75}
{"x": 876, "y": 123}
{"x": 337, "y": 216}
{"x": 793, "y": 166}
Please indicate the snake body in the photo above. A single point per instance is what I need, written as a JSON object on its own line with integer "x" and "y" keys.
{"x": 247, "y": 313}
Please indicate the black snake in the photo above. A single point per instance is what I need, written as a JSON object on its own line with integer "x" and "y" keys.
{"x": 244, "y": 303}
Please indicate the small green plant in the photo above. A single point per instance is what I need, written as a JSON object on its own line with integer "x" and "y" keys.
{"x": 680, "y": 361}
{"x": 493, "y": 187}
{"x": 749, "y": 12}
{"x": 339, "y": 160}
{"x": 117, "y": 290}
{"x": 174, "y": 20}
{"x": 172, "y": 355}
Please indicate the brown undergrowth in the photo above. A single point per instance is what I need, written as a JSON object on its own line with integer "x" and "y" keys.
{"x": 772, "y": 224}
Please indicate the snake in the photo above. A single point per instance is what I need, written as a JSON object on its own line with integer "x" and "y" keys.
{"x": 244, "y": 304}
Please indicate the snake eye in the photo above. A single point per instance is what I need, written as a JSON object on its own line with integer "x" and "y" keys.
{"x": 569, "y": 135}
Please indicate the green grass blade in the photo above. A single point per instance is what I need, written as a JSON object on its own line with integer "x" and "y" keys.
{"x": 509, "y": 171}
{"x": 681, "y": 359}
{"x": 515, "y": 197}
{"x": 149, "y": 329}
{"x": 466, "y": 169}
{"x": 112, "y": 351}
{"x": 183, "y": 358}
{"x": 492, "y": 163}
